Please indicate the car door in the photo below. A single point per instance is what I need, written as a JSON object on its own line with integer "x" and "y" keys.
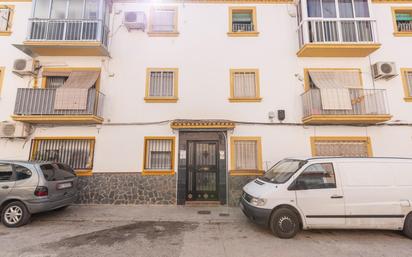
{"x": 6, "y": 180}
{"x": 319, "y": 196}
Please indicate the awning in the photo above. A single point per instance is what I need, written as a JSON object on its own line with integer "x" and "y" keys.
{"x": 334, "y": 87}
{"x": 74, "y": 92}
{"x": 51, "y": 73}
{"x": 202, "y": 124}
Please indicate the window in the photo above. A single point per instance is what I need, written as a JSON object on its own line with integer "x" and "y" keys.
{"x": 68, "y": 9}
{"x": 346, "y": 8}
{"x": 158, "y": 155}
{"x": 316, "y": 176}
{"x": 53, "y": 173}
{"x": 246, "y": 155}
{"x": 163, "y": 21}
{"x": 76, "y": 152}
{"x": 407, "y": 83}
{"x": 2, "y": 70}
{"x": 341, "y": 146}
{"x": 402, "y": 21}
{"x": 6, "y": 172}
{"x": 6, "y": 17}
{"x": 242, "y": 21}
{"x": 22, "y": 172}
{"x": 161, "y": 85}
{"x": 244, "y": 86}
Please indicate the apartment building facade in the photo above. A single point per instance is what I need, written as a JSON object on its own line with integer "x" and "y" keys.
{"x": 168, "y": 102}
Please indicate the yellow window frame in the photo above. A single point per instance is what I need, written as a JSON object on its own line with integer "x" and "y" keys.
{"x": 315, "y": 139}
{"x": 396, "y": 10}
{"x": 10, "y": 20}
{"x": 172, "y": 156}
{"x": 82, "y": 172}
{"x": 173, "y": 33}
{"x": 2, "y": 71}
{"x": 252, "y": 9}
{"x": 256, "y": 98}
{"x": 236, "y": 172}
{"x": 162, "y": 99}
{"x": 306, "y": 79}
{"x": 408, "y": 93}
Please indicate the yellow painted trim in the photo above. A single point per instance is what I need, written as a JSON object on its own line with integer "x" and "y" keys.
{"x": 17, "y": 1}
{"x": 66, "y": 138}
{"x": 232, "y": 169}
{"x": 10, "y": 21}
{"x": 173, "y": 33}
{"x": 253, "y": 33}
{"x": 340, "y": 138}
{"x": 394, "y": 10}
{"x": 84, "y": 173}
{"x": 152, "y": 99}
{"x": 202, "y": 124}
{"x": 88, "y": 119}
{"x": 306, "y": 74}
{"x": 345, "y": 119}
{"x": 159, "y": 172}
{"x": 408, "y": 94}
{"x": 2, "y": 71}
{"x": 337, "y": 50}
{"x": 392, "y": 1}
{"x": 214, "y": 1}
{"x": 232, "y": 98}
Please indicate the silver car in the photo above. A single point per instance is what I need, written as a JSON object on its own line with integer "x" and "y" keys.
{"x": 32, "y": 187}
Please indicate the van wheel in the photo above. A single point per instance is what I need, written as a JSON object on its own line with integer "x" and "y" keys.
{"x": 284, "y": 223}
{"x": 15, "y": 214}
{"x": 407, "y": 227}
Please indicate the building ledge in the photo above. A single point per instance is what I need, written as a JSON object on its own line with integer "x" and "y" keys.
{"x": 243, "y": 34}
{"x": 345, "y": 119}
{"x": 62, "y": 48}
{"x": 202, "y": 124}
{"x": 59, "y": 119}
{"x": 162, "y": 34}
{"x": 246, "y": 100}
{"x": 402, "y": 34}
{"x": 337, "y": 50}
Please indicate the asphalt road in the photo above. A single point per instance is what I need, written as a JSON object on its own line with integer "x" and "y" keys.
{"x": 73, "y": 233}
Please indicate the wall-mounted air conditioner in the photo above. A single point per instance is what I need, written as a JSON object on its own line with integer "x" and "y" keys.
{"x": 134, "y": 20}
{"x": 9, "y": 129}
{"x": 25, "y": 67}
{"x": 384, "y": 70}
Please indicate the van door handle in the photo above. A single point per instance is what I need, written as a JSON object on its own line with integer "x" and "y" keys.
{"x": 336, "y": 196}
{"x": 5, "y": 187}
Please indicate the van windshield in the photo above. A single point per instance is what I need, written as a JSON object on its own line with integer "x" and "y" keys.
{"x": 283, "y": 170}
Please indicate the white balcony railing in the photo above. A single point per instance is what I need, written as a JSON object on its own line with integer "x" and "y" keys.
{"x": 67, "y": 30}
{"x": 404, "y": 26}
{"x": 337, "y": 31}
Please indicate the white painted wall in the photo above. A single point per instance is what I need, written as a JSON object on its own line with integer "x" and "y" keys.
{"x": 204, "y": 54}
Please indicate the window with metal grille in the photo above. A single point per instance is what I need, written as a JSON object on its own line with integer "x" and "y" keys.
{"x": 54, "y": 82}
{"x": 408, "y": 83}
{"x": 163, "y": 19}
{"x": 5, "y": 14}
{"x": 242, "y": 19}
{"x": 403, "y": 17}
{"x": 246, "y": 154}
{"x": 350, "y": 147}
{"x": 245, "y": 85}
{"x": 159, "y": 154}
{"x": 76, "y": 152}
{"x": 161, "y": 84}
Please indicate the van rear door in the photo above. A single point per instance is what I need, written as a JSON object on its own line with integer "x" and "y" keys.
{"x": 319, "y": 196}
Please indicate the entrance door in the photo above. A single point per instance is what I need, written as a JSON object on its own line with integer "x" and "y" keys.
{"x": 202, "y": 166}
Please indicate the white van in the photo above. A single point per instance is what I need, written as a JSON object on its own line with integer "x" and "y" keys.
{"x": 332, "y": 192}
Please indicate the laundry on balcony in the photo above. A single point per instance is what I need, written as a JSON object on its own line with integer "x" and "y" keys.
{"x": 335, "y": 87}
{"x": 73, "y": 94}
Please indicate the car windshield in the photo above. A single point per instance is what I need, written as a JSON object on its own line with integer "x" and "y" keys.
{"x": 283, "y": 170}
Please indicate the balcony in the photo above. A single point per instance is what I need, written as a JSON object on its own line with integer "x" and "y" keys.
{"x": 363, "y": 106}
{"x": 356, "y": 37}
{"x": 66, "y": 37}
{"x": 37, "y": 106}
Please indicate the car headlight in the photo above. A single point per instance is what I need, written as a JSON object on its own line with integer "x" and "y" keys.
{"x": 257, "y": 201}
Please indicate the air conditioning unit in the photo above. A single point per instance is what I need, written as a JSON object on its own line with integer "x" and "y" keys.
{"x": 384, "y": 70}
{"x": 10, "y": 129}
{"x": 134, "y": 20}
{"x": 25, "y": 67}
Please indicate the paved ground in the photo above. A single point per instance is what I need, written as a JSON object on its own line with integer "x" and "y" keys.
{"x": 169, "y": 231}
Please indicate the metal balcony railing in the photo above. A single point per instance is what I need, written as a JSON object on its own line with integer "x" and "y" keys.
{"x": 337, "y": 31}
{"x": 243, "y": 27}
{"x": 404, "y": 26}
{"x": 363, "y": 102}
{"x": 32, "y": 101}
{"x": 67, "y": 30}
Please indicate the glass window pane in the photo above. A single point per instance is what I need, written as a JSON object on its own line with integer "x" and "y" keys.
{"x": 317, "y": 176}
{"x": 158, "y": 154}
{"x": 4, "y": 18}
{"x": 314, "y": 8}
{"x": 161, "y": 84}
{"x": 163, "y": 20}
{"x": 6, "y": 172}
{"x": 345, "y": 9}
{"x": 76, "y": 9}
{"x": 91, "y": 9}
{"x": 22, "y": 172}
{"x": 361, "y": 8}
{"x": 58, "y": 10}
{"x": 409, "y": 81}
{"x": 246, "y": 154}
{"x": 41, "y": 9}
{"x": 244, "y": 85}
{"x": 329, "y": 8}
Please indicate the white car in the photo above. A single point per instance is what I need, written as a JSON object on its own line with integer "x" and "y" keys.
{"x": 332, "y": 193}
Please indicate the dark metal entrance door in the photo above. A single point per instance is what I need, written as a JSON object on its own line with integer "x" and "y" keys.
{"x": 202, "y": 167}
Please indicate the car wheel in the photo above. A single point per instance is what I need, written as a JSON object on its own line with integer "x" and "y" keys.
{"x": 407, "y": 227}
{"x": 15, "y": 214}
{"x": 284, "y": 223}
